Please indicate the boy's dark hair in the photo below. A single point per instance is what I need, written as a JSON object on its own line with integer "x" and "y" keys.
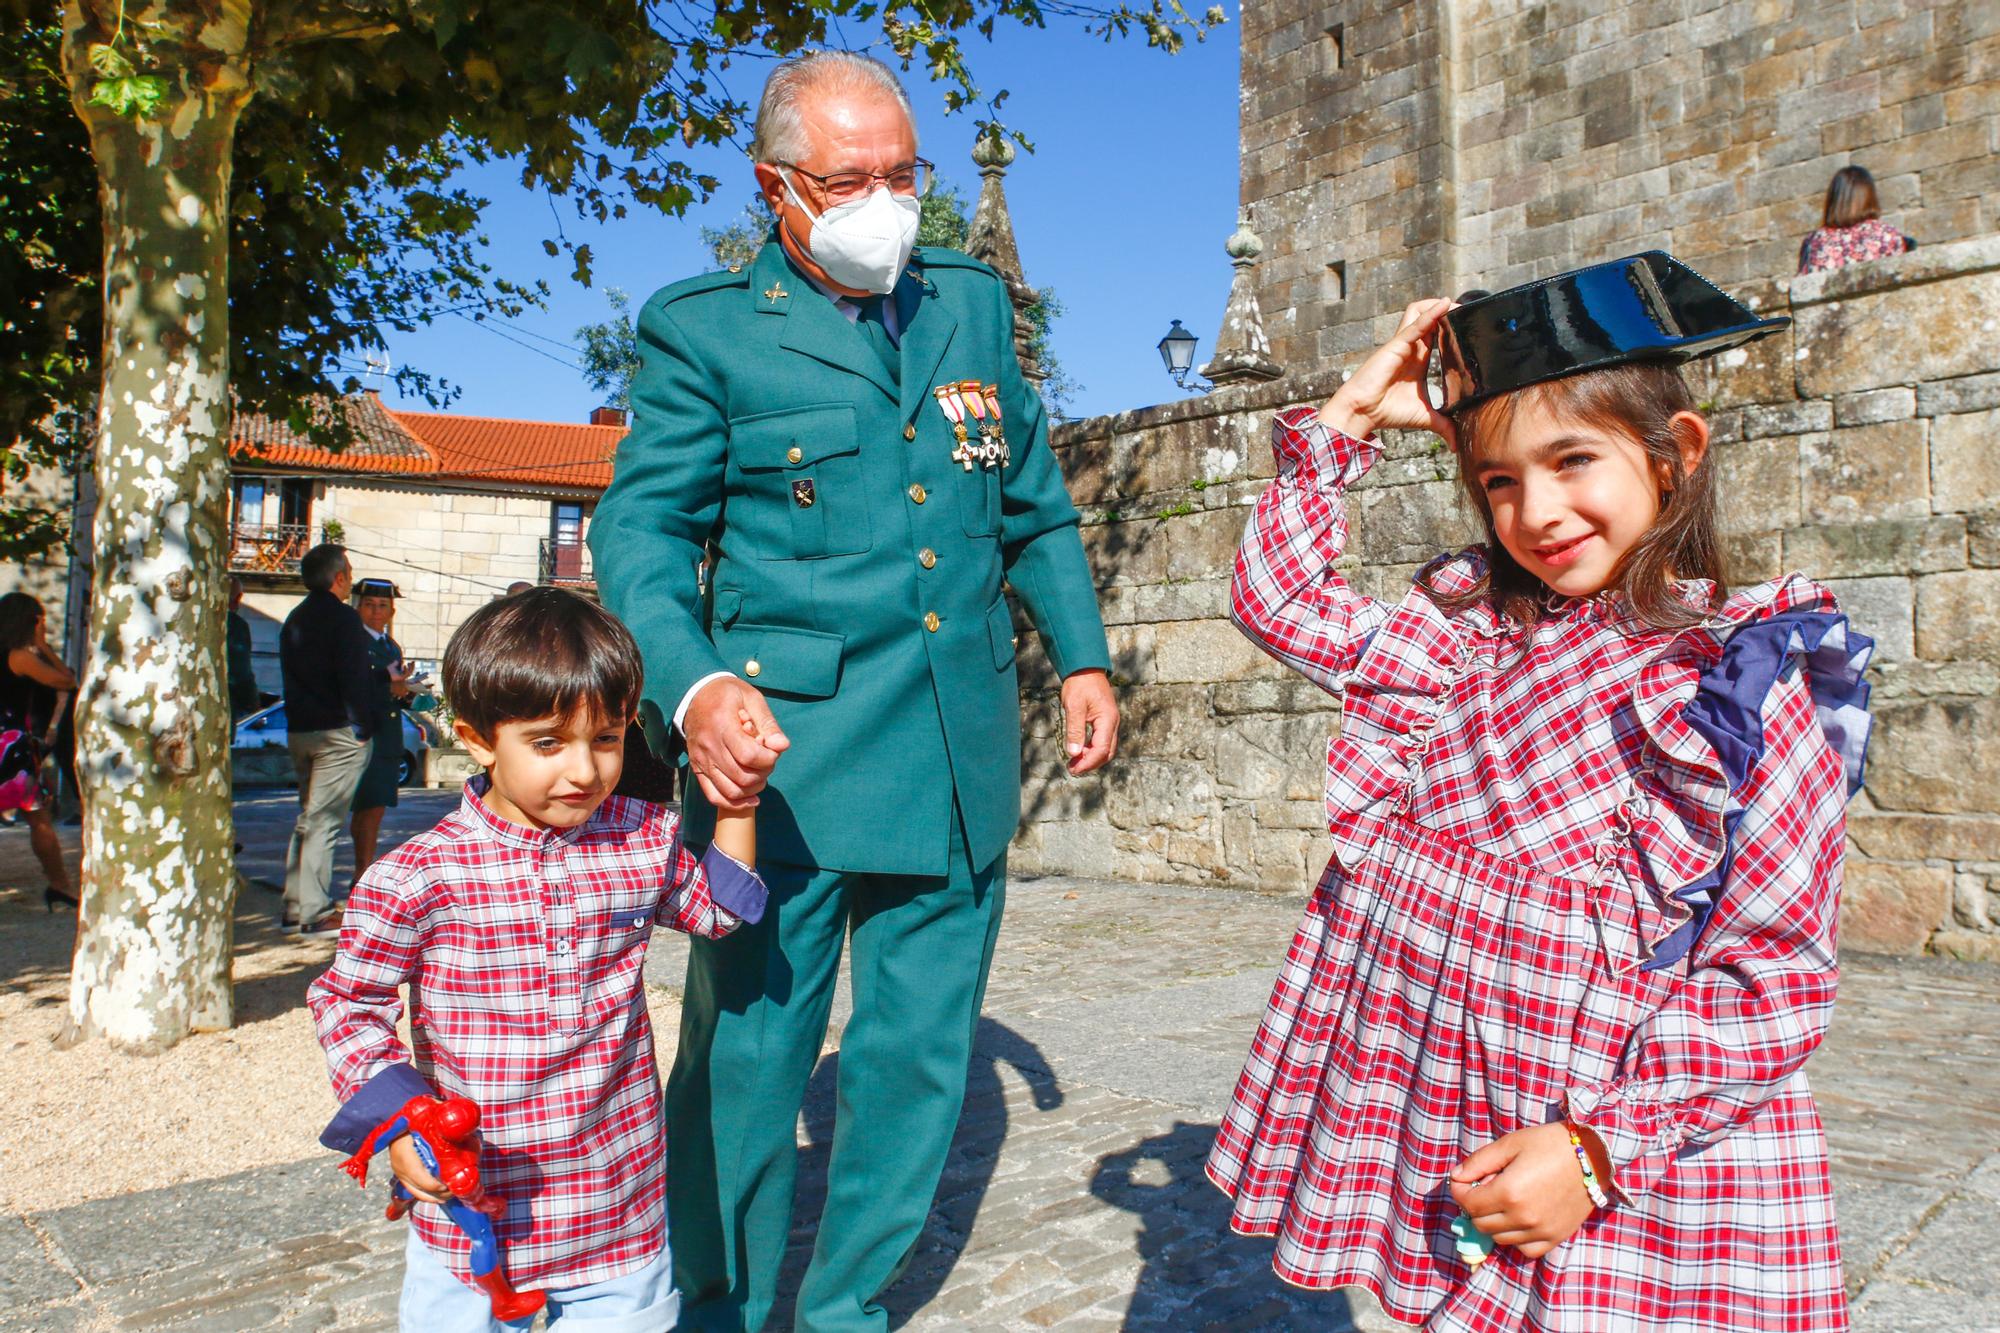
{"x": 1640, "y": 400}
{"x": 541, "y": 653}
{"x": 1850, "y": 198}
{"x": 320, "y": 566}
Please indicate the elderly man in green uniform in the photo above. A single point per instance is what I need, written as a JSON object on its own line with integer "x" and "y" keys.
{"x": 842, "y": 428}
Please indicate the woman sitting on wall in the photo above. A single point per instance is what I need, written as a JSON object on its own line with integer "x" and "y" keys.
{"x": 1851, "y": 229}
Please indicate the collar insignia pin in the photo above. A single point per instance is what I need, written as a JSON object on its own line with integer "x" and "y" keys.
{"x": 776, "y": 291}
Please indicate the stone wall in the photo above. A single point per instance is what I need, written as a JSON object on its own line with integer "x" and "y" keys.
{"x": 1858, "y": 447}
{"x": 1392, "y": 149}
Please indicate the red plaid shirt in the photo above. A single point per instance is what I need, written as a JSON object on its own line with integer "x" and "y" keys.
{"x": 523, "y": 950}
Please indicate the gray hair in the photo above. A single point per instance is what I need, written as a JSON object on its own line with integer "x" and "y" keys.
{"x": 781, "y": 132}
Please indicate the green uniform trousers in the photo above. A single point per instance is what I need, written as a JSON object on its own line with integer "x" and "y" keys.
{"x": 754, "y": 1019}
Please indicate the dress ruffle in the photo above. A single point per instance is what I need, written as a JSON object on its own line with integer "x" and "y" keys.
{"x": 1701, "y": 701}
{"x": 1394, "y": 698}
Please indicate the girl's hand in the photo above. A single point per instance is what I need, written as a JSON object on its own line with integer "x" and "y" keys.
{"x": 1524, "y": 1189}
{"x": 1386, "y": 392}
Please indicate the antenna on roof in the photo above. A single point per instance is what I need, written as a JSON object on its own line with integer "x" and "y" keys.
{"x": 374, "y": 364}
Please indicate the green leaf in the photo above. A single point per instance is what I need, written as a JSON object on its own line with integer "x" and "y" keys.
{"x": 108, "y": 64}
{"x": 137, "y": 95}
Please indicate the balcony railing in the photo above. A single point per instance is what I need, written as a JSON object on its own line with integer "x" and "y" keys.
{"x": 268, "y": 548}
{"x": 566, "y": 563}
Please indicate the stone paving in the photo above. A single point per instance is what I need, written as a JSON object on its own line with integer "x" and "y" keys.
{"x": 1115, "y": 1025}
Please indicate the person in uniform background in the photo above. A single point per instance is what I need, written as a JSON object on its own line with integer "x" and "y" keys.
{"x": 845, "y": 421}
{"x": 389, "y": 691}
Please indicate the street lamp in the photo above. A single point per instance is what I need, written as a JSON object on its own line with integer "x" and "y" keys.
{"x": 1177, "y": 351}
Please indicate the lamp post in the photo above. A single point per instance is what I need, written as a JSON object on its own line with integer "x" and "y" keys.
{"x": 1177, "y": 351}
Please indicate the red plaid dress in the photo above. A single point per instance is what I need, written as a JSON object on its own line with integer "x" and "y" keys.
{"x": 1510, "y": 814}
{"x": 523, "y": 952}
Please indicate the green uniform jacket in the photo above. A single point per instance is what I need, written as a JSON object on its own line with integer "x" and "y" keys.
{"x": 858, "y": 569}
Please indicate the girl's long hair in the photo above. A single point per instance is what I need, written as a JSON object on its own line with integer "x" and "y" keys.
{"x": 1638, "y": 400}
{"x": 19, "y": 614}
{"x": 1850, "y": 198}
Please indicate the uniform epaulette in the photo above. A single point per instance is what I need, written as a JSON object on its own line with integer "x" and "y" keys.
{"x": 937, "y": 256}
{"x": 704, "y": 282}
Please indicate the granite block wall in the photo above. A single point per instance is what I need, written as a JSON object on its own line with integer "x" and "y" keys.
{"x": 1858, "y": 447}
{"x": 1392, "y": 149}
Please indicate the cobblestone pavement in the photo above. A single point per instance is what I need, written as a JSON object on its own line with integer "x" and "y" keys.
{"x": 1115, "y": 1026}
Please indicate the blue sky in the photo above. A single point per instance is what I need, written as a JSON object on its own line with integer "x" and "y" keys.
{"x": 1122, "y": 209}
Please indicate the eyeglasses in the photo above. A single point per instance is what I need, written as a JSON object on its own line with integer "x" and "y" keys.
{"x": 844, "y": 187}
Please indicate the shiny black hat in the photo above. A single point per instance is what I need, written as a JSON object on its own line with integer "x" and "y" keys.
{"x": 1645, "y": 307}
{"x": 376, "y": 588}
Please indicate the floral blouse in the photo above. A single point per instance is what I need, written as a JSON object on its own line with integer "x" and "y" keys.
{"x": 1837, "y": 247}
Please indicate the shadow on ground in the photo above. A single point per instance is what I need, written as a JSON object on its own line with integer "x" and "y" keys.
{"x": 975, "y": 1152}
{"x": 1186, "y": 1245}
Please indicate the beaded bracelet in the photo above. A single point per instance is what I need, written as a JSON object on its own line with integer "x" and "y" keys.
{"x": 1598, "y": 1197}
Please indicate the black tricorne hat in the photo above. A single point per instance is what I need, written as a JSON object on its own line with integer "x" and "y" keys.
{"x": 1644, "y": 307}
{"x": 376, "y": 588}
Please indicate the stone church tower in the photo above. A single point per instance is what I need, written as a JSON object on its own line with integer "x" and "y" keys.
{"x": 1396, "y": 150}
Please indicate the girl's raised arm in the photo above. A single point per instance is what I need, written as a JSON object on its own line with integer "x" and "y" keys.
{"x": 1286, "y": 594}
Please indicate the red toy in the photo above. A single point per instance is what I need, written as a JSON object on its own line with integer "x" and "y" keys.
{"x": 445, "y": 1134}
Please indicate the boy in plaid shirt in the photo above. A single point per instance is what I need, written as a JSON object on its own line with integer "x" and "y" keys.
{"x": 520, "y": 925}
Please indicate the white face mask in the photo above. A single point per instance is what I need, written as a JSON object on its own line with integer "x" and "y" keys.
{"x": 863, "y": 244}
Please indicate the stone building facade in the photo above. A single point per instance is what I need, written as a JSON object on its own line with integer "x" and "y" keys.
{"x": 1857, "y": 447}
{"x": 1395, "y": 149}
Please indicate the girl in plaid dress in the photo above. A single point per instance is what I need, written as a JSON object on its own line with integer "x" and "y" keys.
{"x": 1560, "y": 980}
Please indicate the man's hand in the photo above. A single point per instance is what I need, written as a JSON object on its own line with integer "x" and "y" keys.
{"x": 1090, "y": 721}
{"x": 1524, "y": 1189}
{"x": 732, "y": 761}
{"x": 409, "y": 1169}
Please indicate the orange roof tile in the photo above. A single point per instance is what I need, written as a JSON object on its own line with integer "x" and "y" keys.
{"x": 524, "y": 453}
{"x": 381, "y": 443}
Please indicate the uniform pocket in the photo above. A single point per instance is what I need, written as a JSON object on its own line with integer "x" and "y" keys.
{"x": 1000, "y": 629}
{"x": 800, "y": 472}
{"x": 979, "y": 501}
{"x": 800, "y": 663}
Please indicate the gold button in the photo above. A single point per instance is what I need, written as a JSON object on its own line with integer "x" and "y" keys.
{"x": 927, "y": 557}
{"x": 794, "y": 454}
{"x": 910, "y": 431}
{"x": 917, "y": 492}
{"x": 752, "y": 667}
{"x": 931, "y": 621}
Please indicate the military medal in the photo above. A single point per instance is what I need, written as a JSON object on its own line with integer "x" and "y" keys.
{"x": 992, "y": 396}
{"x": 955, "y": 413}
{"x": 973, "y": 394}
{"x": 802, "y": 493}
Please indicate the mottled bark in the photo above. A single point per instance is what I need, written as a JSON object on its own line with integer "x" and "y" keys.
{"x": 154, "y": 939}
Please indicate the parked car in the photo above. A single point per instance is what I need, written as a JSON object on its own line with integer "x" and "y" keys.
{"x": 266, "y": 728}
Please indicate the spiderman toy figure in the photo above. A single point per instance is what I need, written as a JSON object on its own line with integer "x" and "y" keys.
{"x": 445, "y": 1133}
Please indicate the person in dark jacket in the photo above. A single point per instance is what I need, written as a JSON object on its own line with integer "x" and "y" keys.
{"x": 323, "y": 652}
{"x": 243, "y": 695}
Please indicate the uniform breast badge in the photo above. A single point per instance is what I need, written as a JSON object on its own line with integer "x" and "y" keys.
{"x": 802, "y": 493}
